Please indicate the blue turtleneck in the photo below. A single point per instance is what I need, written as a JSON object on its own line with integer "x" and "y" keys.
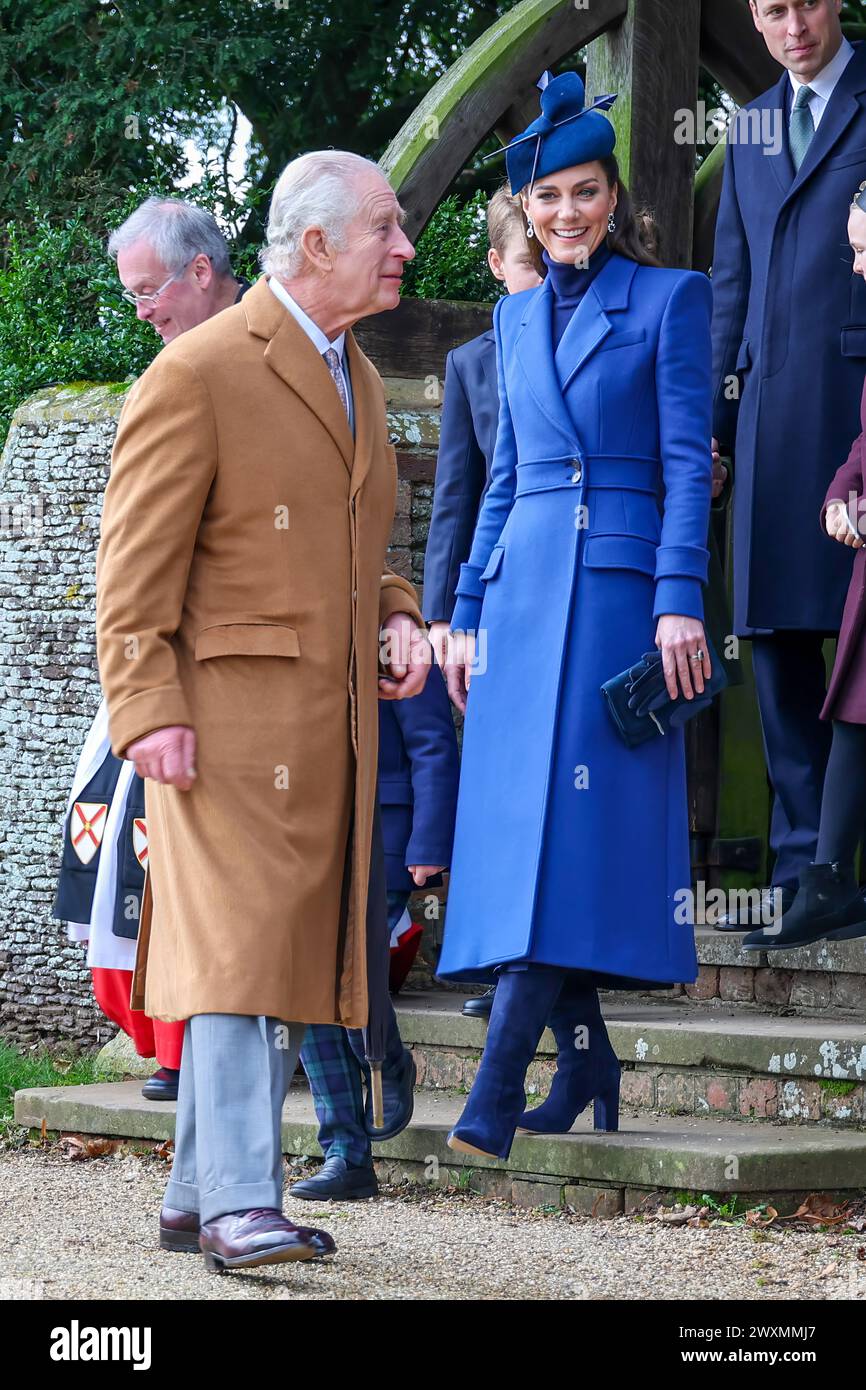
{"x": 570, "y": 283}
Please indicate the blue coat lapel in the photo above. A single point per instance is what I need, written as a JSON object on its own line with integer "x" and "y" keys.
{"x": 534, "y": 351}
{"x": 589, "y": 325}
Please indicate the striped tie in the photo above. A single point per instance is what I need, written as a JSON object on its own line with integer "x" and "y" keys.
{"x": 801, "y": 127}
{"x": 333, "y": 360}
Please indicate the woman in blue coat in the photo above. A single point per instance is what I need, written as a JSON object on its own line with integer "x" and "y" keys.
{"x": 570, "y": 847}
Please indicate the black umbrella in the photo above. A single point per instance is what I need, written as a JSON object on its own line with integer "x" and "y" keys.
{"x": 378, "y": 967}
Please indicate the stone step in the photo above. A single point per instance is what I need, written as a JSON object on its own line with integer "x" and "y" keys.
{"x": 678, "y": 1058}
{"x": 598, "y": 1173}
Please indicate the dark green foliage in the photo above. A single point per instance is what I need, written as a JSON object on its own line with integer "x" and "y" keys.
{"x": 451, "y": 254}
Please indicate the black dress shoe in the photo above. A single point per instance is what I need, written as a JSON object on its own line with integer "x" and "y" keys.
{"x": 178, "y": 1230}
{"x": 337, "y": 1182}
{"x": 760, "y": 913}
{"x": 828, "y": 906}
{"x": 261, "y": 1236}
{"x": 398, "y": 1100}
{"x": 479, "y": 1005}
{"x": 162, "y": 1085}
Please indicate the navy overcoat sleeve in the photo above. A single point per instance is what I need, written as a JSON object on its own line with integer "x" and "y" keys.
{"x": 461, "y": 473}
{"x": 427, "y": 727}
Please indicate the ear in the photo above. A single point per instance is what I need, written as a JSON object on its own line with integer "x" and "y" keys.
{"x": 314, "y": 245}
{"x": 494, "y": 260}
{"x": 202, "y": 269}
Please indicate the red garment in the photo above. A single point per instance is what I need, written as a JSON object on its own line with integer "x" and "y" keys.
{"x": 151, "y": 1036}
{"x": 846, "y": 693}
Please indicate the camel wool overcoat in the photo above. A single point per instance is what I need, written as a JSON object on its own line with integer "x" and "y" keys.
{"x": 241, "y": 585}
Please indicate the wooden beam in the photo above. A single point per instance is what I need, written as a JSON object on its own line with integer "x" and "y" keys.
{"x": 469, "y": 100}
{"x": 651, "y": 59}
{"x": 734, "y": 52}
{"x": 414, "y": 339}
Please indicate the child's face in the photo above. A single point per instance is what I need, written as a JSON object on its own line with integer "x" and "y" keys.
{"x": 514, "y": 265}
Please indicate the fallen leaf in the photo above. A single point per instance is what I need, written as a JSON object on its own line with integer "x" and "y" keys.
{"x": 820, "y": 1210}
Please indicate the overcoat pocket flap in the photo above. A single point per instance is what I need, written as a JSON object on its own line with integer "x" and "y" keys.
{"x": 744, "y": 357}
{"x": 853, "y": 342}
{"x": 246, "y": 639}
{"x": 494, "y": 562}
{"x": 620, "y": 552}
{"x": 617, "y": 340}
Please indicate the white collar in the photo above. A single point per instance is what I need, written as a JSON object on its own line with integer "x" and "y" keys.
{"x": 319, "y": 339}
{"x": 824, "y": 81}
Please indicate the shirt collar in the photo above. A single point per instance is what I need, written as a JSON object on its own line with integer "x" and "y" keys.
{"x": 824, "y": 81}
{"x": 319, "y": 339}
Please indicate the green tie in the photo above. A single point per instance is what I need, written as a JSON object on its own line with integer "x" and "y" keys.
{"x": 801, "y": 128}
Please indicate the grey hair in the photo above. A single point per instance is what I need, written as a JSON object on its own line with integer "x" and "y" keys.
{"x": 177, "y": 231}
{"x": 315, "y": 190}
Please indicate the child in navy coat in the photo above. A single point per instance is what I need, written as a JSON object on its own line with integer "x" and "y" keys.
{"x": 417, "y": 792}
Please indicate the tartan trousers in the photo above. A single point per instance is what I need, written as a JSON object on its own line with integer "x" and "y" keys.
{"x": 333, "y": 1058}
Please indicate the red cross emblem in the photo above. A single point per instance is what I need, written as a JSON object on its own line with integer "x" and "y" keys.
{"x": 86, "y": 828}
{"x": 139, "y": 839}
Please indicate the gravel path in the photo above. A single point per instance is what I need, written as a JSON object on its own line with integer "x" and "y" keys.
{"x": 87, "y": 1230}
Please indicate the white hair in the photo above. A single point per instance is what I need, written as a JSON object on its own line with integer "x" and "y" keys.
{"x": 321, "y": 189}
{"x": 177, "y": 232}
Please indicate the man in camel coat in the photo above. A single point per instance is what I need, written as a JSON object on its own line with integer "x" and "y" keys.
{"x": 241, "y": 601}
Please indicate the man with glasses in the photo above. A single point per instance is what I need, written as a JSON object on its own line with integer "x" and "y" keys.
{"x": 173, "y": 262}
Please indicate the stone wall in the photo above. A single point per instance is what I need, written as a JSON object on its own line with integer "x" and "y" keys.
{"x": 52, "y": 474}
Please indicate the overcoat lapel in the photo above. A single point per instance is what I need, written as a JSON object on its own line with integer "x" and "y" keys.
{"x": 294, "y": 358}
{"x": 534, "y": 351}
{"x": 776, "y": 100}
{"x": 590, "y": 323}
{"x": 367, "y": 399}
{"x": 841, "y": 109}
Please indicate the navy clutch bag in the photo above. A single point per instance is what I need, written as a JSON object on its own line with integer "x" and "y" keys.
{"x": 640, "y": 706}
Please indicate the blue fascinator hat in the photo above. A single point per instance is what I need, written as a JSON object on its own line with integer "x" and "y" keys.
{"x": 567, "y": 132}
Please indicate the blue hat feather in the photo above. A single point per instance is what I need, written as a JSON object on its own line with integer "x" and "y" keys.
{"x": 567, "y": 132}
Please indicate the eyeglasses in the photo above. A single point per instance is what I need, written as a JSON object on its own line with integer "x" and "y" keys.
{"x": 151, "y": 299}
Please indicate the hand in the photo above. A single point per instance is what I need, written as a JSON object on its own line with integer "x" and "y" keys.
{"x": 836, "y": 526}
{"x": 461, "y": 655}
{"x": 720, "y": 472}
{"x": 439, "y": 633}
{"x": 679, "y": 639}
{"x": 421, "y": 872}
{"x": 166, "y": 756}
{"x": 407, "y": 657}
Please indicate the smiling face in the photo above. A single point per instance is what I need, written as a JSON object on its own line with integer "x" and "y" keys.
{"x": 570, "y": 210}
{"x": 186, "y": 302}
{"x": 365, "y": 278}
{"x": 802, "y": 35}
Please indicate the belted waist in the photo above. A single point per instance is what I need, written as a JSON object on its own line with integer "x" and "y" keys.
{"x": 636, "y": 472}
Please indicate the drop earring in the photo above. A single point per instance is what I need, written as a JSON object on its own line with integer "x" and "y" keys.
{"x": 611, "y": 225}
{"x": 530, "y": 230}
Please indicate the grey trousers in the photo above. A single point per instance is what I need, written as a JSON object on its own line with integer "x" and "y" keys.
{"x": 235, "y": 1071}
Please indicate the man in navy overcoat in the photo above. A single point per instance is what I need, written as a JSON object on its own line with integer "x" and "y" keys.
{"x": 789, "y": 339}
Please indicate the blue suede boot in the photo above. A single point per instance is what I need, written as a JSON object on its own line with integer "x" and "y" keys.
{"x": 521, "y": 1006}
{"x": 587, "y": 1068}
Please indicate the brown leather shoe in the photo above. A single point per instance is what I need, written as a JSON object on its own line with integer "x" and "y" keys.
{"x": 261, "y": 1236}
{"x": 178, "y": 1230}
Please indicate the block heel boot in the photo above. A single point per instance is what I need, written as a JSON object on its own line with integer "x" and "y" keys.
{"x": 587, "y": 1068}
{"x": 521, "y": 1007}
